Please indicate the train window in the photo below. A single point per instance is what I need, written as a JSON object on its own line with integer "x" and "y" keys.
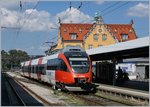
{"x": 63, "y": 66}
{"x": 56, "y": 64}
{"x": 52, "y": 67}
{"x": 44, "y": 70}
{"x": 23, "y": 69}
{"x": 36, "y": 69}
{"x": 41, "y": 69}
{"x": 32, "y": 69}
{"x": 29, "y": 69}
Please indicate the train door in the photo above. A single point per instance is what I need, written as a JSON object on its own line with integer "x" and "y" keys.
{"x": 32, "y": 71}
{"x": 38, "y": 73}
{"x": 50, "y": 71}
{"x": 29, "y": 71}
{"x": 147, "y": 72}
{"x": 50, "y": 76}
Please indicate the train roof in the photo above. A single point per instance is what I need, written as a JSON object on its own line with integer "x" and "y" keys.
{"x": 43, "y": 60}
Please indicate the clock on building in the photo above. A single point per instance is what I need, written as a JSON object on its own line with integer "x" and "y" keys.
{"x": 100, "y": 30}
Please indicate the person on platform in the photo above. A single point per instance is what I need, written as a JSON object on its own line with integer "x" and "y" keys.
{"x": 120, "y": 74}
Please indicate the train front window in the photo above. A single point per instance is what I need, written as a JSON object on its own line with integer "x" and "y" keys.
{"x": 79, "y": 65}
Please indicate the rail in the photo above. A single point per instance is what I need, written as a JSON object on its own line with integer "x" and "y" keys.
{"x": 16, "y": 93}
{"x": 45, "y": 102}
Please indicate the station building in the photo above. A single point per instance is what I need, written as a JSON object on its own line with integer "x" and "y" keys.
{"x": 94, "y": 35}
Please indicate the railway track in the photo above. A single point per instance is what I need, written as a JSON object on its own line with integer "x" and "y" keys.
{"x": 94, "y": 100}
{"x": 20, "y": 101}
{"x": 18, "y": 94}
{"x": 91, "y": 99}
{"x": 45, "y": 102}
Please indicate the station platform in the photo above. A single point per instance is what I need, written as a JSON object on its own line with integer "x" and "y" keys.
{"x": 123, "y": 90}
{"x": 138, "y": 85}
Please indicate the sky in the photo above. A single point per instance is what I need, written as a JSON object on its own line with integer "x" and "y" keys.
{"x": 29, "y": 26}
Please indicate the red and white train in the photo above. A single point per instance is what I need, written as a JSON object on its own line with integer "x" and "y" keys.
{"x": 69, "y": 69}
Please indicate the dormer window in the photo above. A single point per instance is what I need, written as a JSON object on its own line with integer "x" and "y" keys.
{"x": 65, "y": 30}
{"x": 130, "y": 30}
{"x": 80, "y": 30}
{"x": 73, "y": 36}
{"x": 124, "y": 37}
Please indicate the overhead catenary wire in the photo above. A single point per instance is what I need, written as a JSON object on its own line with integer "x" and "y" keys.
{"x": 84, "y": 20}
{"x": 19, "y": 19}
{"x": 107, "y": 10}
{"x": 70, "y": 9}
{"x": 112, "y": 10}
{"x": 110, "y": 6}
{"x": 116, "y": 8}
{"x": 29, "y": 16}
{"x": 59, "y": 20}
{"x": 21, "y": 26}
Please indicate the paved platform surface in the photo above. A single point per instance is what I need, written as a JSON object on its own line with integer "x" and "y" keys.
{"x": 139, "y": 85}
{"x": 45, "y": 93}
{"x": 123, "y": 90}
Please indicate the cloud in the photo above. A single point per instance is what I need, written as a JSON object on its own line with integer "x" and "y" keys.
{"x": 9, "y": 18}
{"x": 139, "y": 10}
{"x": 40, "y": 20}
{"x": 74, "y": 16}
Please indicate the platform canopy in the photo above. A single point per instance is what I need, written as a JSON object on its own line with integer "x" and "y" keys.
{"x": 122, "y": 50}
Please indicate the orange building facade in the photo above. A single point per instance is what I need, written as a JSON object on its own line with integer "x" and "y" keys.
{"x": 94, "y": 35}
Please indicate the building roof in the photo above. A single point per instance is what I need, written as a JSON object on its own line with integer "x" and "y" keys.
{"x": 118, "y": 29}
{"x": 82, "y": 29}
{"x": 79, "y": 29}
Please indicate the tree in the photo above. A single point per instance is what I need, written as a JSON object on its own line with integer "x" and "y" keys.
{"x": 4, "y": 61}
{"x": 13, "y": 58}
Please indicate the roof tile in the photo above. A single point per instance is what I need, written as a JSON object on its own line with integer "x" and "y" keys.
{"x": 82, "y": 29}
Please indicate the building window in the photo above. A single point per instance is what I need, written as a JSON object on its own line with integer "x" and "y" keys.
{"x": 124, "y": 37}
{"x": 95, "y": 37}
{"x": 90, "y": 46}
{"x": 73, "y": 36}
{"x": 104, "y": 37}
{"x": 80, "y": 30}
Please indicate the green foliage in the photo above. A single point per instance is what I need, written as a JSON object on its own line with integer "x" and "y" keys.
{"x": 12, "y": 58}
